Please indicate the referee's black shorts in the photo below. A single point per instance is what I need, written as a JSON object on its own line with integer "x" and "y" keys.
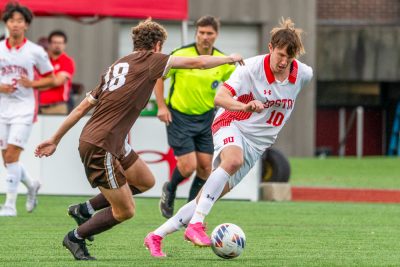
{"x": 189, "y": 133}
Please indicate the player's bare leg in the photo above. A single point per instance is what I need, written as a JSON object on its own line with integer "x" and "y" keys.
{"x": 138, "y": 176}
{"x": 122, "y": 208}
{"x": 203, "y": 170}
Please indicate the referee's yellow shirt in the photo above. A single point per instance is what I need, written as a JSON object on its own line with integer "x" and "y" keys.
{"x": 192, "y": 91}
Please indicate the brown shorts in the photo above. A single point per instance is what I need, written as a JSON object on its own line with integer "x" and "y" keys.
{"x": 104, "y": 169}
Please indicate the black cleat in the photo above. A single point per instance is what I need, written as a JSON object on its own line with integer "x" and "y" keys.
{"x": 74, "y": 212}
{"x": 167, "y": 202}
{"x": 77, "y": 249}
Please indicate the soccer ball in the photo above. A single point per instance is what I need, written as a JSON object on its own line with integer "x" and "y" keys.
{"x": 228, "y": 240}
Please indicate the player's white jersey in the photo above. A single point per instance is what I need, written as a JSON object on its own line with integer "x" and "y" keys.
{"x": 255, "y": 81}
{"x": 19, "y": 106}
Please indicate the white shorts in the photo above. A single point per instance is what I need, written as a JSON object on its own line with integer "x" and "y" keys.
{"x": 14, "y": 134}
{"x": 231, "y": 136}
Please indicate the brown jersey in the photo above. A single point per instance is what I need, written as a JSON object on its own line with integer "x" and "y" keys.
{"x": 124, "y": 91}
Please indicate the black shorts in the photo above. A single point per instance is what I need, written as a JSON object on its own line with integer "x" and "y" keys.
{"x": 189, "y": 133}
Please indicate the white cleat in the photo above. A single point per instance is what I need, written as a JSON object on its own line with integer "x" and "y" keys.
{"x": 7, "y": 211}
{"x": 31, "y": 197}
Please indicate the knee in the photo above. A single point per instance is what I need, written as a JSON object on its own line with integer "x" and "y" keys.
{"x": 232, "y": 165}
{"x": 204, "y": 171}
{"x": 9, "y": 158}
{"x": 148, "y": 183}
{"x": 124, "y": 214}
{"x": 186, "y": 168}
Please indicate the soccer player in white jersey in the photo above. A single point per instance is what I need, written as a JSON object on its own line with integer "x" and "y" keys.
{"x": 255, "y": 102}
{"x": 18, "y": 60}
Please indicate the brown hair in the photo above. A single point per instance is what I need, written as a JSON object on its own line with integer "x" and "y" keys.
{"x": 208, "y": 21}
{"x": 146, "y": 35}
{"x": 286, "y": 35}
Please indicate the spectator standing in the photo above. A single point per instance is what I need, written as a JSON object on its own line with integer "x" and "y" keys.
{"x": 55, "y": 99}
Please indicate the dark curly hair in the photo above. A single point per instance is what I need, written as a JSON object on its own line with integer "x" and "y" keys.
{"x": 15, "y": 7}
{"x": 146, "y": 35}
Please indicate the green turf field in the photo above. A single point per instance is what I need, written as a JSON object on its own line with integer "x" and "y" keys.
{"x": 278, "y": 234}
{"x": 368, "y": 172}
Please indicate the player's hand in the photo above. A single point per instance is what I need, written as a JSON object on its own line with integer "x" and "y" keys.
{"x": 164, "y": 115}
{"x": 7, "y": 88}
{"x": 25, "y": 82}
{"x": 46, "y": 148}
{"x": 236, "y": 58}
{"x": 254, "y": 106}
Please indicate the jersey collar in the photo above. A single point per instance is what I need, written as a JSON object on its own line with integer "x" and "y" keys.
{"x": 270, "y": 76}
{"x": 17, "y": 47}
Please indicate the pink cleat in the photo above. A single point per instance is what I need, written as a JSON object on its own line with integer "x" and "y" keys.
{"x": 153, "y": 243}
{"x": 196, "y": 234}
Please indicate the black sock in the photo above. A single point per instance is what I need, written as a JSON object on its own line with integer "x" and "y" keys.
{"x": 84, "y": 210}
{"x": 175, "y": 180}
{"x": 72, "y": 237}
{"x": 195, "y": 188}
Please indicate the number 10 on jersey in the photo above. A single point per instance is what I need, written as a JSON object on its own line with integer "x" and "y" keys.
{"x": 276, "y": 118}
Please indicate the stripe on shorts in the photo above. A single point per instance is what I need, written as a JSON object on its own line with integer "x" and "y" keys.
{"x": 110, "y": 171}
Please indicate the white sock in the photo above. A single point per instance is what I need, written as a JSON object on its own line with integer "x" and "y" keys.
{"x": 212, "y": 190}
{"x": 13, "y": 179}
{"x": 89, "y": 207}
{"x": 181, "y": 218}
{"x": 25, "y": 177}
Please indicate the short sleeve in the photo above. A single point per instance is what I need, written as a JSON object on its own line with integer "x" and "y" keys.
{"x": 68, "y": 67}
{"x": 236, "y": 80}
{"x": 158, "y": 65}
{"x": 307, "y": 75}
{"x": 42, "y": 64}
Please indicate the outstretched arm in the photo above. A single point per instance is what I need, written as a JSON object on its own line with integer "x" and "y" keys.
{"x": 48, "y": 147}
{"x": 224, "y": 98}
{"x": 204, "y": 62}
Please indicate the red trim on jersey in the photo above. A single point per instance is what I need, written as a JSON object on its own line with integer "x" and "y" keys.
{"x": 230, "y": 88}
{"x": 293, "y": 72}
{"x": 270, "y": 76}
{"x": 18, "y": 46}
{"x": 228, "y": 116}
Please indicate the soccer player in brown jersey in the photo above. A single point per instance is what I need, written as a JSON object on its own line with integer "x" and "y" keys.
{"x": 109, "y": 164}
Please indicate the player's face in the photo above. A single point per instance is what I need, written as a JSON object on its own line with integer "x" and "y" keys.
{"x": 16, "y": 25}
{"x": 280, "y": 59}
{"x": 205, "y": 37}
{"x": 57, "y": 45}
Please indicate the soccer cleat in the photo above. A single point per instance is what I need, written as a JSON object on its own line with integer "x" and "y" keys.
{"x": 7, "y": 211}
{"x": 153, "y": 244}
{"x": 77, "y": 249}
{"x": 31, "y": 197}
{"x": 196, "y": 234}
{"x": 167, "y": 202}
{"x": 74, "y": 212}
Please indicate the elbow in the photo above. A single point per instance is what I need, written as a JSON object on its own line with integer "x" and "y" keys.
{"x": 217, "y": 101}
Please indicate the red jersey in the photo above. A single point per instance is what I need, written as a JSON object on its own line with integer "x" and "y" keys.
{"x": 66, "y": 65}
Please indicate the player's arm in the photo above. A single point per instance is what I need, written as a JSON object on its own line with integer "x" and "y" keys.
{"x": 48, "y": 147}
{"x": 40, "y": 84}
{"x": 163, "y": 112}
{"x": 224, "y": 98}
{"x": 203, "y": 62}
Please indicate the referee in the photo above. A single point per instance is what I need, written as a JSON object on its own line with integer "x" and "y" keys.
{"x": 188, "y": 113}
